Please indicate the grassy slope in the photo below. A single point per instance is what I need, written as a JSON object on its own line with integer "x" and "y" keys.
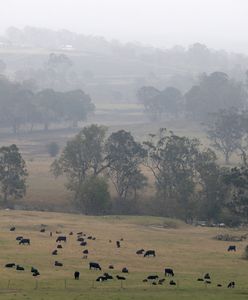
{"x": 190, "y": 251}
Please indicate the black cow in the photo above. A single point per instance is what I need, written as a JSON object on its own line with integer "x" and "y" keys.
{"x": 172, "y": 282}
{"x": 83, "y": 244}
{"x": 10, "y": 265}
{"x": 59, "y": 246}
{"x": 111, "y": 267}
{"x": 86, "y": 251}
{"x": 61, "y": 239}
{"x": 161, "y": 281}
{"x": 36, "y": 274}
{"x": 118, "y": 244}
{"x": 24, "y": 242}
{"x": 219, "y": 285}
{"x": 101, "y": 278}
{"x": 154, "y": 283}
{"x": 152, "y": 277}
{"x": 149, "y": 253}
{"x": 141, "y": 251}
{"x": 95, "y": 266}
{"x": 19, "y": 268}
{"x": 120, "y": 277}
{"x": 80, "y": 239}
{"x": 208, "y": 281}
{"x": 124, "y": 270}
{"x": 231, "y": 248}
{"x": 169, "y": 272}
{"x": 108, "y": 276}
{"x": 231, "y": 285}
{"x": 200, "y": 279}
{"x": 207, "y": 276}
{"x": 76, "y": 275}
{"x": 58, "y": 264}
{"x": 12, "y": 228}
{"x": 89, "y": 237}
{"x": 42, "y": 230}
{"x": 71, "y": 233}
{"x": 19, "y": 238}
{"x": 55, "y": 252}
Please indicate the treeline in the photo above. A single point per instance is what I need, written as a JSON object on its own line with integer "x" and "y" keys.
{"x": 214, "y": 92}
{"x": 188, "y": 182}
{"x": 20, "y": 106}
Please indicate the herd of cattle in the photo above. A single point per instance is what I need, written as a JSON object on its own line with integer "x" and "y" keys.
{"x": 82, "y": 239}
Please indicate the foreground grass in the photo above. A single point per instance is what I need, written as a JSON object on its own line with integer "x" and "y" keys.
{"x": 190, "y": 251}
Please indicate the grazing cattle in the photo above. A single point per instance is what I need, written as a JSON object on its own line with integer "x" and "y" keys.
{"x": 208, "y": 281}
{"x": 231, "y": 248}
{"x": 24, "y": 242}
{"x": 89, "y": 237}
{"x": 19, "y": 268}
{"x": 12, "y": 228}
{"x": 59, "y": 246}
{"x": 149, "y": 253}
{"x": 80, "y": 239}
{"x": 95, "y": 266}
{"x": 120, "y": 277}
{"x": 101, "y": 278}
{"x": 111, "y": 267}
{"x": 169, "y": 272}
{"x": 71, "y": 233}
{"x": 152, "y": 277}
{"x": 76, "y": 275}
{"x": 124, "y": 270}
{"x": 118, "y": 244}
{"x": 61, "y": 238}
{"x": 10, "y": 265}
{"x": 172, "y": 282}
{"x": 200, "y": 279}
{"x": 231, "y": 285}
{"x": 42, "y": 230}
{"x": 19, "y": 238}
{"x": 58, "y": 264}
{"x": 161, "y": 281}
{"x": 86, "y": 251}
{"x": 219, "y": 285}
{"x": 141, "y": 251}
{"x": 207, "y": 276}
{"x": 36, "y": 274}
{"x": 108, "y": 276}
{"x": 83, "y": 244}
{"x": 55, "y": 252}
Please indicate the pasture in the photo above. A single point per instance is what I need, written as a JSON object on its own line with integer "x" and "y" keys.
{"x": 190, "y": 251}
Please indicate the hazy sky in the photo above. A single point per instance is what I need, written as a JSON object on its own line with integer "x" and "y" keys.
{"x": 217, "y": 23}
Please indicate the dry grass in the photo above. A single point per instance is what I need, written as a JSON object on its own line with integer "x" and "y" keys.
{"x": 190, "y": 251}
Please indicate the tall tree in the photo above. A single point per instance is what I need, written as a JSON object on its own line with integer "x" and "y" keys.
{"x": 13, "y": 173}
{"x": 124, "y": 156}
{"x": 81, "y": 157}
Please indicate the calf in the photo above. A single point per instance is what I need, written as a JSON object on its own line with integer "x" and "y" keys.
{"x": 59, "y": 246}
{"x": 19, "y": 268}
{"x": 86, "y": 251}
{"x": 118, "y": 244}
{"x": 24, "y": 242}
{"x": 120, "y": 277}
{"x": 76, "y": 275}
{"x": 61, "y": 239}
{"x": 55, "y": 252}
{"x": 101, "y": 278}
{"x": 124, "y": 270}
{"x": 172, "y": 282}
{"x": 58, "y": 264}
{"x": 12, "y": 228}
{"x": 231, "y": 248}
{"x": 83, "y": 244}
{"x": 169, "y": 272}
{"x": 207, "y": 276}
{"x": 42, "y": 230}
{"x": 108, "y": 276}
{"x": 141, "y": 251}
{"x": 80, "y": 239}
{"x": 95, "y": 266}
{"x": 111, "y": 267}
{"x": 149, "y": 253}
{"x": 231, "y": 285}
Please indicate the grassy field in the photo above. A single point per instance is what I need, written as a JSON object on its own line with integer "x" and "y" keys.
{"x": 190, "y": 251}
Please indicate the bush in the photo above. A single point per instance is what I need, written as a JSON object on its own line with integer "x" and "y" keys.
{"x": 52, "y": 149}
{"x": 93, "y": 197}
